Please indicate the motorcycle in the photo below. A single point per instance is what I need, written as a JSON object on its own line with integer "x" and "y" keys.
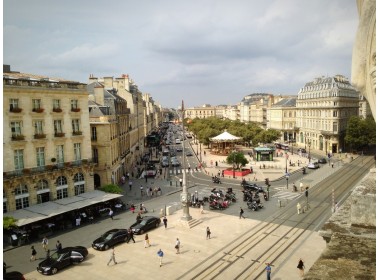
{"x": 252, "y": 205}
{"x": 216, "y": 180}
{"x": 230, "y": 197}
{"x": 265, "y": 196}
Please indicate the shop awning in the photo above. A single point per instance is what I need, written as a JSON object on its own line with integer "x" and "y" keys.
{"x": 52, "y": 208}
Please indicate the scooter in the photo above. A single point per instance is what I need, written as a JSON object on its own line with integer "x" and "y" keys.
{"x": 265, "y": 196}
{"x": 216, "y": 180}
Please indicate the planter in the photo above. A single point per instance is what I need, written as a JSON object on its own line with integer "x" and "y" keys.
{"x": 39, "y": 136}
{"x": 16, "y": 110}
{"x": 59, "y": 134}
{"x": 18, "y": 137}
{"x": 75, "y": 109}
{"x": 240, "y": 173}
{"x": 77, "y": 132}
{"x": 57, "y": 110}
{"x": 38, "y": 110}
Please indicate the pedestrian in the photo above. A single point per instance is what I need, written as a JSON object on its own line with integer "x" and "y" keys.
{"x": 180, "y": 182}
{"x": 110, "y": 213}
{"x": 147, "y": 191}
{"x": 177, "y": 244}
{"x": 48, "y": 254}
{"x": 58, "y": 246}
{"x": 34, "y": 253}
{"x": 159, "y": 190}
{"x": 268, "y": 269}
{"x": 138, "y": 217}
{"x": 130, "y": 235}
{"x": 130, "y": 185}
{"x": 208, "y": 233}
{"x": 112, "y": 256}
{"x": 147, "y": 243}
{"x": 165, "y": 220}
{"x": 45, "y": 243}
{"x": 301, "y": 267}
{"x": 142, "y": 190}
{"x": 298, "y": 208}
{"x": 332, "y": 165}
{"x": 160, "y": 255}
{"x": 241, "y": 213}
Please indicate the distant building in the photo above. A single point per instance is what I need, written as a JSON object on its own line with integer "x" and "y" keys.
{"x": 324, "y": 107}
{"x": 282, "y": 117}
{"x": 203, "y": 112}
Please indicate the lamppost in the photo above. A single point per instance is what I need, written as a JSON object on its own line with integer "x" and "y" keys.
{"x": 309, "y": 144}
{"x": 286, "y": 170}
{"x": 185, "y": 196}
{"x": 233, "y": 169}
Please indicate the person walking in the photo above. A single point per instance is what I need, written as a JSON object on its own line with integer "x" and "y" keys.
{"x": 34, "y": 254}
{"x": 45, "y": 243}
{"x": 165, "y": 220}
{"x": 298, "y": 208}
{"x": 301, "y": 267}
{"x": 130, "y": 185}
{"x": 147, "y": 243}
{"x": 268, "y": 269}
{"x": 130, "y": 236}
{"x": 160, "y": 255}
{"x": 241, "y": 213}
{"x": 58, "y": 246}
{"x": 112, "y": 256}
{"x": 208, "y": 233}
{"x": 177, "y": 244}
{"x": 110, "y": 213}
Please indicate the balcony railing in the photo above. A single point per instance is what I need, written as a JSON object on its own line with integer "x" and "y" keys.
{"x": 18, "y": 137}
{"x": 38, "y": 110}
{"x": 57, "y": 110}
{"x": 15, "y": 110}
{"x": 75, "y": 109}
{"x": 39, "y": 136}
{"x": 59, "y": 134}
{"x": 46, "y": 168}
{"x": 77, "y": 132}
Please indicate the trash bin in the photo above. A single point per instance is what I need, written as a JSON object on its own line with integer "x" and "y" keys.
{"x": 14, "y": 239}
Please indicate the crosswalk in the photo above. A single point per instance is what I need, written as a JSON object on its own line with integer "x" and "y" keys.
{"x": 286, "y": 195}
{"x": 182, "y": 170}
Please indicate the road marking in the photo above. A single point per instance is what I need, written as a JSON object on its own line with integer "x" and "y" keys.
{"x": 286, "y": 195}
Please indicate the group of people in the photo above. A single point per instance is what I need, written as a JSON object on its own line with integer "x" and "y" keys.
{"x": 300, "y": 267}
{"x": 45, "y": 247}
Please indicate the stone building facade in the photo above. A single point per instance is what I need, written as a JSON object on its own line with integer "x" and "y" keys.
{"x": 46, "y": 140}
{"x": 282, "y": 117}
{"x": 203, "y": 112}
{"x": 324, "y": 107}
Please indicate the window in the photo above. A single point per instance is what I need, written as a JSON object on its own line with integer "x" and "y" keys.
{"x": 56, "y": 104}
{"x": 75, "y": 125}
{"x": 77, "y": 153}
{"x": 93, "y": 133}
{"x": 62, "y": 193}
{"x": 22, "y": 197}
{"x": 335, "y": 113}
{"x": 42, "y": 185}
{"x": 22, "y": 202}
{"x": 38, "y": 127}
{"x": 60, "y": 154}
{"x": 58, "y": 126}
{"x": 19, "y": 159}
{"x": 16, "y": 128}
{"x": 61, "y": 181}
{"x": 95, "y": 156}
{"x": 40, "y": 153}
{"x": 335, "y": 126}
{"x": 36, "y": 104}
{"x": 13, "y": 104}
{"x": 74, "y": 104}
{"x": 79, "y": 189}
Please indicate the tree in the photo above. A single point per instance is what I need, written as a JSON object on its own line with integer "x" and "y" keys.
{"x": 360, "y": 132}
{"x": 237, "y": 159}
{"x": 9, "y": 222}
{"x": 111, "y": 188}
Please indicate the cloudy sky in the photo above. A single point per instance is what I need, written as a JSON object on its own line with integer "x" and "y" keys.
{"x": 202, "y": 51}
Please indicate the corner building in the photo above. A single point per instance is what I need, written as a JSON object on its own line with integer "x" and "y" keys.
{"x": 324, "y": 107}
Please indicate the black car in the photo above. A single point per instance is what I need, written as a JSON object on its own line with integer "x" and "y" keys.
{"x": 61, "y": 259}
{"x": 110, "y": 238}
{"x": 322, "y": 161}
{"x": 252, "y": 186}
{"x": 13, "y": 275}
{"x": 147, "y": 223}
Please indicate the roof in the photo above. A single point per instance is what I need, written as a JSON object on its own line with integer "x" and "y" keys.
{"x": 225, "y": 136}
{"x": 263, "y": 149}
{"x": 287, "y": 102}
{"x": 52, "y": 208}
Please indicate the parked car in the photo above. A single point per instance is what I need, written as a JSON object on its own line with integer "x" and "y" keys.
{"x": 189, "y": 153}
{"x": 147, "y": 223}
{"x": 302, "y": 150}
{"x": 110, "y": 238}
{"x": 252, "y": 186}
{"x": 61, "y": 259}
{"x": 164, "y": 163}
{"x": 13, "y": 275}
{"x": 175, "y": 162}
{"x": 313, "y": 165}
{"x": 322, "y": 160}
{"x": 179, "y": 149}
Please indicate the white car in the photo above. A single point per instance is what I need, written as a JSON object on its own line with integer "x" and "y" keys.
{"x": 313, "y": 165}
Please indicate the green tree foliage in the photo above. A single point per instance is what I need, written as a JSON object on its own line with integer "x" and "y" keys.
{"x": 237, "y": 159}
{"x": 9, "y": 222}
{"x": 111, "y": 188}
{"x": 360, "y": 132}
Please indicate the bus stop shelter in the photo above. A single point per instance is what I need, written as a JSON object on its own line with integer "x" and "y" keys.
{"x": 263, "y": 154}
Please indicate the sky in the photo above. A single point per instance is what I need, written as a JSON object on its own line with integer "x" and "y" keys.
{"x": 200, "y": 51}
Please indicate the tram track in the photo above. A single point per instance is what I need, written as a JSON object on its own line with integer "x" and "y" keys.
{"x": 244, "y": 257}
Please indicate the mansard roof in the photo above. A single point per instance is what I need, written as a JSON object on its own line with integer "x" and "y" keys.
{"x": 287, "y": 102}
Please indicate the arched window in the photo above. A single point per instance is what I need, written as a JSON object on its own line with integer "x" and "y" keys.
{"x": 61, "y": 181}
{"x": 22, "y": 196}
{"x": 42, "y": 184}
{"x": 21, "y": 189}
{"x": 78, "y": 177}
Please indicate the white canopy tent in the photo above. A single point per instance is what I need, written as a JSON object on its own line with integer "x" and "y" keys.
{"x": 223, "y": 143}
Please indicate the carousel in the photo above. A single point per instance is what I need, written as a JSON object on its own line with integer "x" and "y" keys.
{"x": 223, "y": 144}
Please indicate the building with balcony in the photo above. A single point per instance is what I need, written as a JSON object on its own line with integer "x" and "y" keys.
{"x": 46, "y": 140}
{"x": 324, "y": 107}
{"x": 202, "y": 112}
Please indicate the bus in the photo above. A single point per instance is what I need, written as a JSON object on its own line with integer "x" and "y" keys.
{"x": 281, "y": 146}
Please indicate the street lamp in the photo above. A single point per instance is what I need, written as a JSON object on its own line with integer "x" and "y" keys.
{"x": 233, "y": 169}
{"x": 309, "y": 144}
{"x": 286, "y": 170}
